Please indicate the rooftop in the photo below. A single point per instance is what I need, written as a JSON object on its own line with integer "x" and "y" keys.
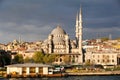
{"x": 29, "y": 65}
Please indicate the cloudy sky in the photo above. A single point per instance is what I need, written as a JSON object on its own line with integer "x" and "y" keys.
{"x": 33, "y": 20}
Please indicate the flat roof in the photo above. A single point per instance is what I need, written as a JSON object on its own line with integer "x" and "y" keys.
{"x": 29, "y": 65}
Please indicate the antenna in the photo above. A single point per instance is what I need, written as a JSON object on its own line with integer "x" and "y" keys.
{"x": 19, "y": 38}
{"x": 110, "y": 36}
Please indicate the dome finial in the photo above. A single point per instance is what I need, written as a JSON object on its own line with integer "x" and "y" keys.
{"x": 58, "y": 26}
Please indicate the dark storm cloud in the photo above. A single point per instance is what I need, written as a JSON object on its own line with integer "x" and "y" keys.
{"x": 35, "y": 19}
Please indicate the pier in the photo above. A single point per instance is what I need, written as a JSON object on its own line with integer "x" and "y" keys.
{"x": 106, "y": 73}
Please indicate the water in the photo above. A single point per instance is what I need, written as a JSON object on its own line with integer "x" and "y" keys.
{"x": 70, "y": 78}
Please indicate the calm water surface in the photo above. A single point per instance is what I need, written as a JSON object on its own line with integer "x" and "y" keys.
{"x": 71, "y": 78}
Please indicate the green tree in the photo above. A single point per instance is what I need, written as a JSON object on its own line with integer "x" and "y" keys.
{"x": 5, "y": 58}
{"x": 38, "y": 57}
{"x": 18, "y": 58}
{"x": 49, "y": 58}
{"x": 27, "y": 60}
{"x": 52, "y": 58}
{"x": 46, "y": 58}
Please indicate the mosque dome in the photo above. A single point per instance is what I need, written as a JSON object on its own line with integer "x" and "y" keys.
{"x": 59, "y": 40}
{"x": 58, "y": 35}
{"x": 58, "y": 30}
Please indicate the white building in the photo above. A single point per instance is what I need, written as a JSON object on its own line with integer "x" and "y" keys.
{"x": 29, "y": 69}
{"x": 103, "y": 58}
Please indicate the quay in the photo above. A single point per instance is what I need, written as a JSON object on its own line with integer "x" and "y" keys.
{"x": 43, "y": 70}
{"x": 106, "y": 73}
{"x": 34, "y": 76}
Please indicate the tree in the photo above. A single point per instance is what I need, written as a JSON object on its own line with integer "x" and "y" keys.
{"x": 52, "y": 58}
{"x": 38, "y": 57}
{"x": 49, "y": 58}
{"x": 1, "y": 61}
{"x": 18, "y": 58}
{"x": 28, "y": 60}
{"x": 46, "y": 58}
{"x": 5, "y": 58}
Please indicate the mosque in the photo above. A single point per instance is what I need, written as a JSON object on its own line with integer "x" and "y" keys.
{"x": 58, "y": 42}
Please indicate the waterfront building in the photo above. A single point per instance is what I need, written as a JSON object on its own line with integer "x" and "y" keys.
{"x": 29, "y": 69}
{"x": 102, "y": 53}
{"x": 102, "y": 58}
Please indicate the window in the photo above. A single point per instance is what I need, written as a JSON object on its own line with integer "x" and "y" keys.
{"x": 98, "y": 60}
{"x": 113, "y": 60}
{"x": 40, "y": 70}
{"x": 56, "y": 60}
{"x": 32, "y": 69}
{"x": 24, "y": 70}
{"x": 108, "y": 60}
{"x": 76, "y": 56}
{"x": 103, "y": 60}
{"x": 60, "y": 60}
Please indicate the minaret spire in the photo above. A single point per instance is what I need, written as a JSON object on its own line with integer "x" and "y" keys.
{"x": 80, "y": 29}
{"x": 79, "y": 35}
{"x": 77, "y": 28}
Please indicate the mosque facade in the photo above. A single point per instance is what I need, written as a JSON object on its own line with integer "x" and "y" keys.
{"x": 58, "y": 42}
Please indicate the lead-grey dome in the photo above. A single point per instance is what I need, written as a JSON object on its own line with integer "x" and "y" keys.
{"x": 58, "y": 40}
{"x": 58, "y": 30}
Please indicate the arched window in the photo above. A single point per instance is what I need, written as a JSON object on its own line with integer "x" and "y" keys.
{"x": 60, "y": 59}
{"x": 56, "y": 60}
{"x": 98, "y": 60}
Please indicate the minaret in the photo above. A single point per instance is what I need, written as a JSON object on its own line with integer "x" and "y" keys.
{"x": 80, "y": 31}
{"x": 77, "y": 29}
{"x": 79, "y": 35}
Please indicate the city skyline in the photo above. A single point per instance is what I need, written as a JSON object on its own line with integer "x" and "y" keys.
{"x": 33, "y": 20}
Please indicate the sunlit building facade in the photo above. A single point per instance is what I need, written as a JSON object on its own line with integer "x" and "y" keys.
{"x": 58, "y": 42}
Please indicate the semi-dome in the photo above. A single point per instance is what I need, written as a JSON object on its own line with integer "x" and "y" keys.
{"x": 58, "y": 30}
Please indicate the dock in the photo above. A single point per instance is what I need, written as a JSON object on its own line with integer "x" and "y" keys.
{"x": 35, "y": 75}
{"x": 106, "y": 73}
{"x": 102, "y": 73}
